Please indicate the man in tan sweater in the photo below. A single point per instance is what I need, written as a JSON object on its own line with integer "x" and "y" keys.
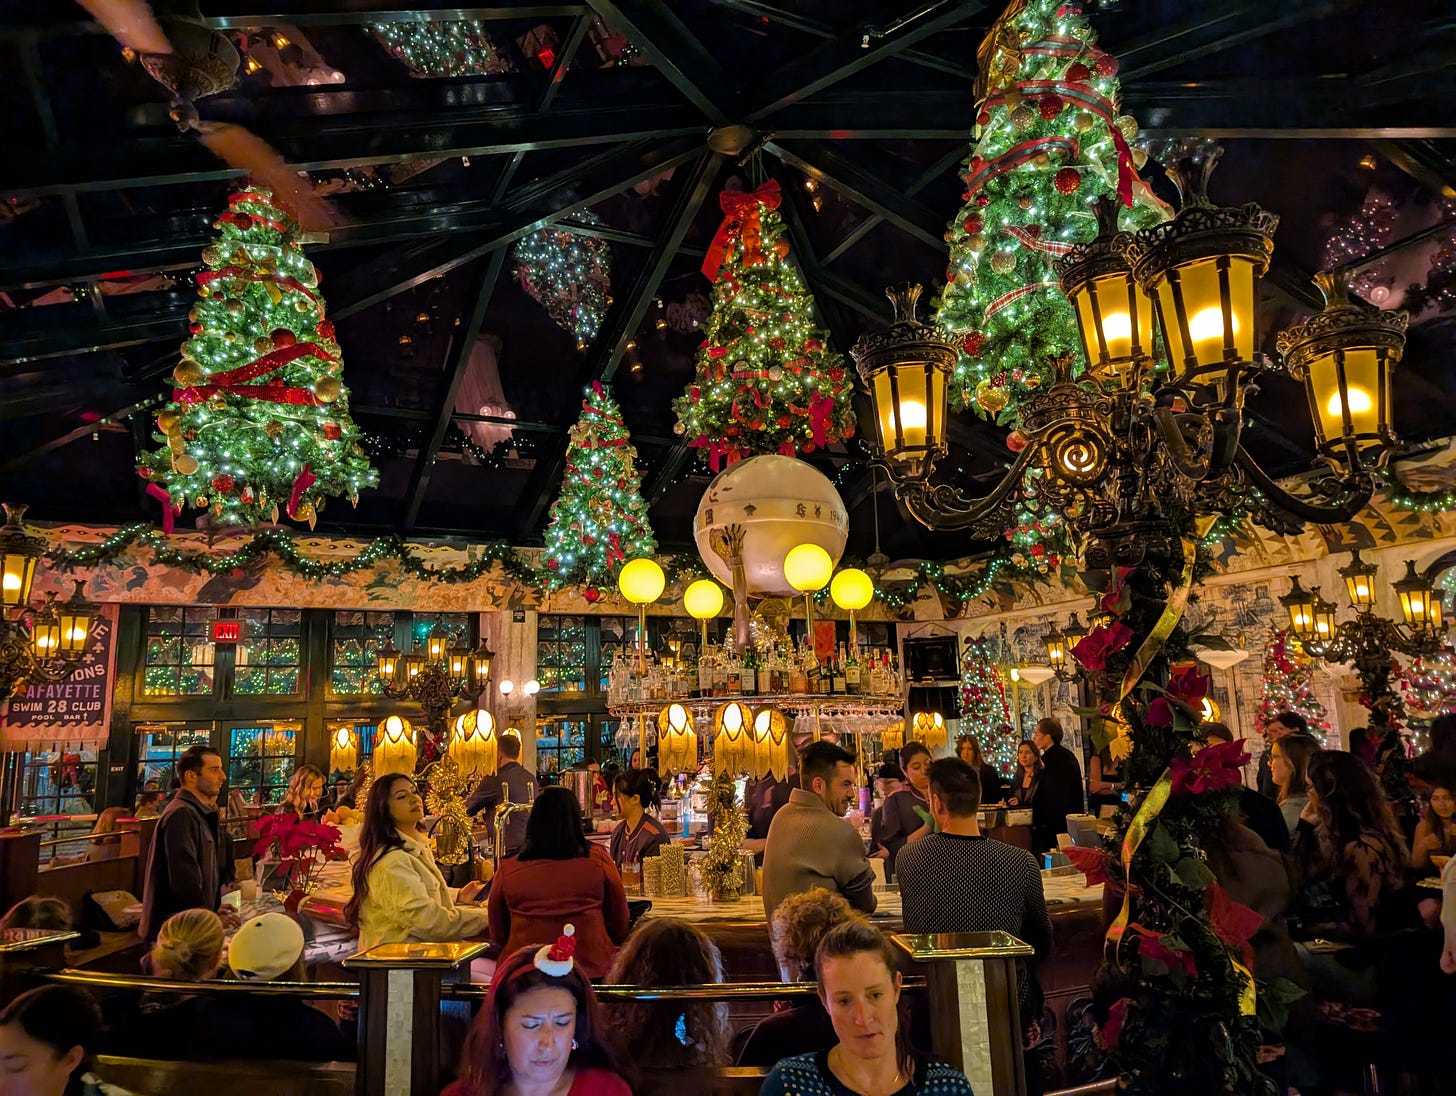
{"x": 810, "y": 844}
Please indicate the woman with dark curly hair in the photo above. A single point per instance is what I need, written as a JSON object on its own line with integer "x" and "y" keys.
{"x": 539, "y": 1032}
{"x": 668, "y": 1034}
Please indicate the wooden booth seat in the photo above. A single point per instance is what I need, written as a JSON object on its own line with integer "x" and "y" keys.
{"x": 239, "y": 1078}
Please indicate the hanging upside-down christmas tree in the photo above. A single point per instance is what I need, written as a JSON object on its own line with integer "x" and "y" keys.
{"x": 259, "y": 420}
{"x": 766, "y": 381}
{"x": 600, "y": 520}
{"x": 984, "y": 711}
{"x": 1051, "y": 142}
{"x": 569, "y": 274}
{"x": 1288, "y": 673}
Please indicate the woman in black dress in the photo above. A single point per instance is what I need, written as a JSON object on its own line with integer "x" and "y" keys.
{"x": 1027, "y": 777}
{"x": 969, "y": 751}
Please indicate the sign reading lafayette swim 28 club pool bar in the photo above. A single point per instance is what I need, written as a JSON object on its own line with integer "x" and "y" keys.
{"x": 75, "y": 709}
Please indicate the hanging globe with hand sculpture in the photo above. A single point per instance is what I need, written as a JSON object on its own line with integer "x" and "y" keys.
{"x": 778, "y": 502}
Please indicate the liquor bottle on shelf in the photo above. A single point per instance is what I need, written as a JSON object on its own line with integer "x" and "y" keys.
{"x": 852, "y": 674}
{"x": 813, "y": 668}
{"x": 877, "y": 674}
{"x": 749, "y": 673}
{"x": 720, "y": 672}
{"x": 839, "y": 680}
{"x": 765, "y": 674}
{"x": 798, "y": 671}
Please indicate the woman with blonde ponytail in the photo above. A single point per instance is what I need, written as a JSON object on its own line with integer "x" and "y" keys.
{"x": 189, "y": 947}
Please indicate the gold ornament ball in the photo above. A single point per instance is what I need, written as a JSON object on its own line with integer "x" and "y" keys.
{"x": 234, "y": 307}
{"x": 188, "y": 373}
{"x": 1127, "y": 125}
{"x": 976, "y": 241}
{"x": 1139, "y": 158}
{"x": 273, "y": 428}
{"x": 1023, "y": 118}
{"x": 328, "y": 389}
{"x": 167, "y": 421}
{"x": 1084, "y": 122}
{"x": 193, "y": 315}
{"x": 991, "y": 399}
{"x": 186, "y": 464}
{"x": 262, "y": 345}
{"x": 230, "y": 337}
{"x": 1031, "y": 380}
{"x": 217, "y": 402}
{"x": 302, "y": 304}
{"x": 1003, "y": 262}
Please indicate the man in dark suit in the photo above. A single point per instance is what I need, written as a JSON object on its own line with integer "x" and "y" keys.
{"x": 1061, "y": 791}
{"x": 487, "y": 794}
{"x": 186, "y": 865}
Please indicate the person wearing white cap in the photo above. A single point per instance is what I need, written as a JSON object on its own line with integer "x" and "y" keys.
{"x": 267, "y": 947}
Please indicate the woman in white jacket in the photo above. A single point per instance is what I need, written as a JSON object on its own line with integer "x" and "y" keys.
{"x": 399, "y": 894}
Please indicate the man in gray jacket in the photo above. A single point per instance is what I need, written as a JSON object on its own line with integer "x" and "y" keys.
{"x": 185, "y": 865}
{"x": 810, "y": 844}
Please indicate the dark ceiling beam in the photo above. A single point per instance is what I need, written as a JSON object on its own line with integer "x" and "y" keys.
{"x": 864, "y": 189}
{"x": 674, "y": 51}
{"x": 59, "y": 330}
{"x": 620, "y": 324}
{"x": 241, "y": 14}
{"x": 928, "y": 176}
{"x": 1423, "y": 162}
{"x": 818, "y": 29}
{"x": 457, "y": 361}
{"x": 846, "y": 55}
{"x": 321, "y": 142}
{"x": 564, "y": 59}
{"x": 1210, "y": 32}
{"x": 20, "y": 460}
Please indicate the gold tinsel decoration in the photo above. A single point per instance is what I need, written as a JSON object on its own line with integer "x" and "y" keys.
{"x": 446, "y": 801}
{"x": 719, "y": 869}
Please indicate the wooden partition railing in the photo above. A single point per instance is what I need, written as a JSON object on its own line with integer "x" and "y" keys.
{"x": 970, "y": 980}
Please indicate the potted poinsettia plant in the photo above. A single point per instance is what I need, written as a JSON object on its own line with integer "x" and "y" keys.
{"x": 298, "y": 847}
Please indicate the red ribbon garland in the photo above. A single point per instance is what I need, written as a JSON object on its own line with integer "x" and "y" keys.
{"x": 736, "y": 208}
{"x": 821, "y": 412}
{"x": 305, "y": 480}
{"x": 614, "y": 550}
{"x": 230, "y": 217}
{"x": 1049, "y": 247}
{"x": 206, "y": 277}
{"x": 1018, "y": 155}
{"x": 229, "y": 380}
{"x": 1016, "y": 294}
{"x": 160, "y": 493}
{"x": 717, "y": 450}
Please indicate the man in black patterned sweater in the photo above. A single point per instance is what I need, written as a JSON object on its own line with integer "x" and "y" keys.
{"x": 958, "y": 880}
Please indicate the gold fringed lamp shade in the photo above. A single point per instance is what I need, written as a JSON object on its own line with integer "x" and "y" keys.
{"x": 771, "y": 743}
{"x": 473, "y": 743}
{"x": 893, "y": 736}
{"x": 733, "y": 748}
{"x": 343, "y": 749}
{"x": 394, "y": 748}
{"x": 677, "y": 740}
{"x": 930, "y": 729}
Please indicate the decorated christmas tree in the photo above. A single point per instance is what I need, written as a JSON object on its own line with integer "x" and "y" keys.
{"x": 600, "y": 520}
{"x": 455, "y": 48}
{"x": 569, "y": 274}
{"x": 984, "y": 711}
{"x": 766, "y": 381}
{"x": 1288, "y": 672}
{"x": 259, "y": 421}
{"x": 1051, "y": 142}
{"x": 1429, "y": 685}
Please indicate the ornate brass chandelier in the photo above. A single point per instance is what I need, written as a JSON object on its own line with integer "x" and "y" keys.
{"x": 38, "y": 645}
{"x": 435, "y": 675}
{"x": 1127, "y": 451}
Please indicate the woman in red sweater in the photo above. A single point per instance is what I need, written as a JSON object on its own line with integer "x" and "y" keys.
{"x": 558, "y": 877}
{"x": 538, "y": 1032}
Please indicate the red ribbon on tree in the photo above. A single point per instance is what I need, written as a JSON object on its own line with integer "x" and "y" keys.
{"x": 614, "y": 549}
{"x": 160, "y": 493}
{"x": 230, "y": 381}
{"x": 739, "y": 208}
{"x": 717, "y": 450}
{"x": 305, "y": 480}
{"x": 821, "y": 417}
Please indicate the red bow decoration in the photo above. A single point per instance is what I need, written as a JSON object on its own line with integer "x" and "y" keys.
{"x": 1094, "y": 648}
{"x": 1090, "y": 862}
{"x": 1125, "y": 168}
{"x": 1153, "y": 945}
{"x": 1209, "y": 770}
{"x": 158, "y": 492}
{"x": 614, "y": 550}
{"x": 738, "y": 209}
{"x": 1187, "y": 687}
{"x": 305, "y": 480}
{"x": 1233, "y": 923}
{"x": 717, "y": 450}
{"x": 821, "y": 412}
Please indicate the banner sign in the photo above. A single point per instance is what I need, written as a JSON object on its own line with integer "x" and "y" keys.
{"x": 76, "y": 709}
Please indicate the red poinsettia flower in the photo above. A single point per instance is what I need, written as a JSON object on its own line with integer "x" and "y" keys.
{"x": 1187, "y": 687}
{"x": 1093, "y": 649}
{"x": 1154, "y": 945}
{"x": 1210, "y": 770}
{"x": 1110, "y": 1032}
{"x": 1233, "y": 923}
{"x": 1092, "y": 863}
{"x": 1113, "y": 600}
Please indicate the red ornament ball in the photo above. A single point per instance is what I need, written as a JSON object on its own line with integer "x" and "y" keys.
{"x": 1107, "y": 65}
{"x": 1067, "y": 180}
{"x": 972, "y": 342}
{"x": 1078, "y": 73}
{"x": 325, "y": 329}
{"x": 1034, "y": 231}
{"x": 1016, "y": 441}
{"x": 777, "y": 343}
{"x": 592, "y": 594}
{"x": 1050, "y": 106}
{"x": 223, "y": 483}
{"x": 144, "y": 472}
{"x": 836, "y": 375}
{"x": 242, "y": 221}
{"x": 813, "y": 344}
{"x": 984, "y": 118}
{"x": 282, "y": 337}
{"x": 553, "y": 565}
{"x": 983, "y": 200}
{"x": 784, "y": 422}
{"x": 950, "y": 277}
{"x": 332, "y": 430}
{"x": 717, "y": 351}
{"x": 973, "y": 224}
{"x": 195, "y": 328}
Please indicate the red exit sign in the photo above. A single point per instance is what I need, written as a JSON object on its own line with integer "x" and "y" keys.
{"x": 227, "y": 631}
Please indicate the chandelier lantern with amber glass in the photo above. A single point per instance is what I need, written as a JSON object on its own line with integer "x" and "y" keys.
{"x": 435, "y": 674}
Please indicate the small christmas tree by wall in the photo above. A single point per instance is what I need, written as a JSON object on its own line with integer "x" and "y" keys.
{"x": 1051, "y": 142}
{"x": 259, "y": 422}
{"x": 600, "y": 520}
{"x": 569, "y": 274}
{"x": 1288, "y": 672}
{"x": 766, "y": 381}
{"x": 984, "y": 711}
{"x": 1430, "y": 686}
